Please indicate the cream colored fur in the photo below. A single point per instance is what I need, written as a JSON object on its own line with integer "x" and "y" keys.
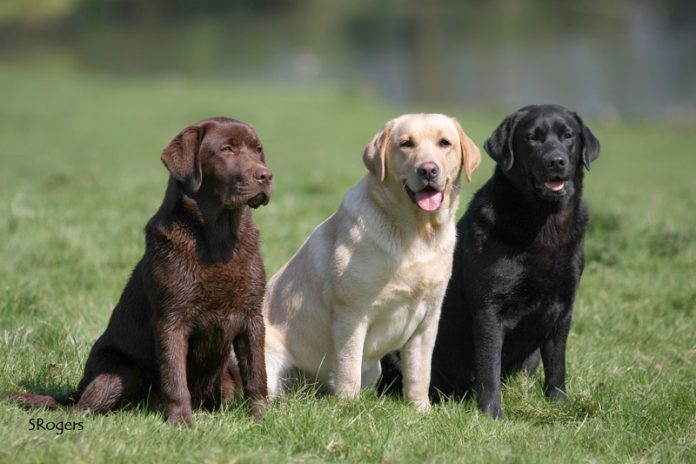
{"x": 371, "y": 278}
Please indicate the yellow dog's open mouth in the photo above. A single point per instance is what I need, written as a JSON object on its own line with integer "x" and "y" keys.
{"x": 428, "y": 199}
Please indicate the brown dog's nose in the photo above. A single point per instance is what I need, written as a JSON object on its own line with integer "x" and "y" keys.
{"x": 428, "y": 170}
{"x": 263, "y": 175}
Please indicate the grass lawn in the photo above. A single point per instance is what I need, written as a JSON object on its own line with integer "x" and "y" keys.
{"x": 80, "y": 175}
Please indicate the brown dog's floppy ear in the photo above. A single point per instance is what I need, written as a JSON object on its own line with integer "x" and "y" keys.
{"x": 590, "y": 144}
{"x": 499, "y": 144}
{"x": 182, "y": 159}
{"x": 375, "y": 153}
{"x": 471, "y": 155}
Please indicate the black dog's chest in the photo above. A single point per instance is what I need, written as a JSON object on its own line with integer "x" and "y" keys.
{"x": 530, "y": 286}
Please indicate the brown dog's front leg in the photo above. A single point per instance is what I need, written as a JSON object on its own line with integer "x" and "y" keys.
{"x": 173, "y": 348}
{"x": 249, "y": 349}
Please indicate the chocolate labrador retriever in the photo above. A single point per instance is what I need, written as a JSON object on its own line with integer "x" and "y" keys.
{"x": 518, "y": 261}
{"x": 196, "y": 291}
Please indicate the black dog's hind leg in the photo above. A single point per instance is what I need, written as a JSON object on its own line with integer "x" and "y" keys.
{"x": 531, "y": 363}
{"x": 390, "y": 382}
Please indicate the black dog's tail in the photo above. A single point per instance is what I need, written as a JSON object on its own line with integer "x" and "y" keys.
{"x": 32, "y": 400}
{"x": 390, "y": 383}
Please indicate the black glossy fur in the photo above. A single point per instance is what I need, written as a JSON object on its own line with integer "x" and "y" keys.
{"x": 517, "y": 263}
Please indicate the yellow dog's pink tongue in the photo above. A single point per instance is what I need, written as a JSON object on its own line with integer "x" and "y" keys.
{"x": 428, "y": 199}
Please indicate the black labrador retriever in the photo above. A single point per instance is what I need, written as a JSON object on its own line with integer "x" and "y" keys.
{"x": 517, "y": 263}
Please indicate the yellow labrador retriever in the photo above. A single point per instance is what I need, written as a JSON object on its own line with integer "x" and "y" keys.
{"x": 371, "y": 278}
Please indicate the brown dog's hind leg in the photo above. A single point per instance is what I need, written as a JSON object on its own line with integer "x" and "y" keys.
{"x": 113, "y": 387}
{"x": 231, "y": 380}
{"x": 223, "y": 389}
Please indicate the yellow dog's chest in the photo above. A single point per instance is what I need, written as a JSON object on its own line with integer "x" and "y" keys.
{"x": 402, "y": 306}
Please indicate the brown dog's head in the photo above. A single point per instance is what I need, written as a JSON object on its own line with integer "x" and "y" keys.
{"x": 221, "y": 160}
{"x": 423, "y": 155}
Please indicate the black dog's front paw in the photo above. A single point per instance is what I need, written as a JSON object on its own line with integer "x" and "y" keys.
{"x": 555, "y": 393}
{"x": 493, "y": 409}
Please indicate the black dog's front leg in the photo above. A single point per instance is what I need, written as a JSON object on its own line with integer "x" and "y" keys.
{"x": 488, "y": 344}
{"x": 553, "y": 356}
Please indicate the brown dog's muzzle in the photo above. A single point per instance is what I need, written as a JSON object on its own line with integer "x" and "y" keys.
{"x": 263, "y": 176}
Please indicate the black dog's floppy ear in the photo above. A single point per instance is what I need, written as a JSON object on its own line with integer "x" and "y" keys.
{"x": 590, "y": 144}
{"x": 499, "y": 144}
{"x": 182, "y": 159}
{"x": 375, "y": 153}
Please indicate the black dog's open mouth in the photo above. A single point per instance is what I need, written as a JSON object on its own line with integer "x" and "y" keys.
{"x": 428, "y": 199}
{"x": 258, "y": 200}
{"x": 556, "y": 187}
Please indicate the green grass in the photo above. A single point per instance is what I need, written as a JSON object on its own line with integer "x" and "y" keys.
{"x": 80, "y": 176}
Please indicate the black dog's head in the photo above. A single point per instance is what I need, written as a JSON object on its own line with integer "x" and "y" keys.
{"x": 542, "y": 148}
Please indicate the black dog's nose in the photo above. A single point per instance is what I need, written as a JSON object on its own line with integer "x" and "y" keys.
{"x": 556, "y": 162}
{"x": 429, "y": 170}
{"x": 263, "y": 175}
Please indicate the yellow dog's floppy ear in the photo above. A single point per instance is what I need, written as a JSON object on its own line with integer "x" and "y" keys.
{"x": 375, "y": 153}
{"x": 471, "y": 155}
{"x": 182, "y": 159}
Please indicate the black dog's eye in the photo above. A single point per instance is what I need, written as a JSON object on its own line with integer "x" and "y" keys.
{"x": 444, "y": 143}
{"x": 532, "y": 137}
{"x": 408, "y": 143}
{"x": 567, "y": 135}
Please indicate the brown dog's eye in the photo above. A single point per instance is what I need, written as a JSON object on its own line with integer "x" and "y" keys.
{"x": 226, "y": 148}
{"x": 408, "y": 143}
{"x": 444, "y": 143}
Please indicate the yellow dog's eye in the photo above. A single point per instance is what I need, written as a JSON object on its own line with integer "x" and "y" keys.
{"x": 444, "y": 143}
{"x": 408, "y": 143}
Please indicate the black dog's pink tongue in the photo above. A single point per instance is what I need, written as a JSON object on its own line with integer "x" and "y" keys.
{"x": 555, "y": 186}
{"x": 428, "y": 199}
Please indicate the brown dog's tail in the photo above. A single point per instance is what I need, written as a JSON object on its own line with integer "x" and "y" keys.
{"x": 32, "y": 400}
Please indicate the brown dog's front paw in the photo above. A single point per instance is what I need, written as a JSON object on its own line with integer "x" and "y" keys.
{"x": 179, "y": 416}
{"x": 258, "y": 408}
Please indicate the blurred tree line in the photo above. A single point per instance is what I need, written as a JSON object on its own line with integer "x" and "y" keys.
{"x": 19, "y": 12}
{"x": 614, "y": 57}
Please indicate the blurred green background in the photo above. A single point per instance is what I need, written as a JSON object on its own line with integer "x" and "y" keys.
{"x": 614, "y": 59}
